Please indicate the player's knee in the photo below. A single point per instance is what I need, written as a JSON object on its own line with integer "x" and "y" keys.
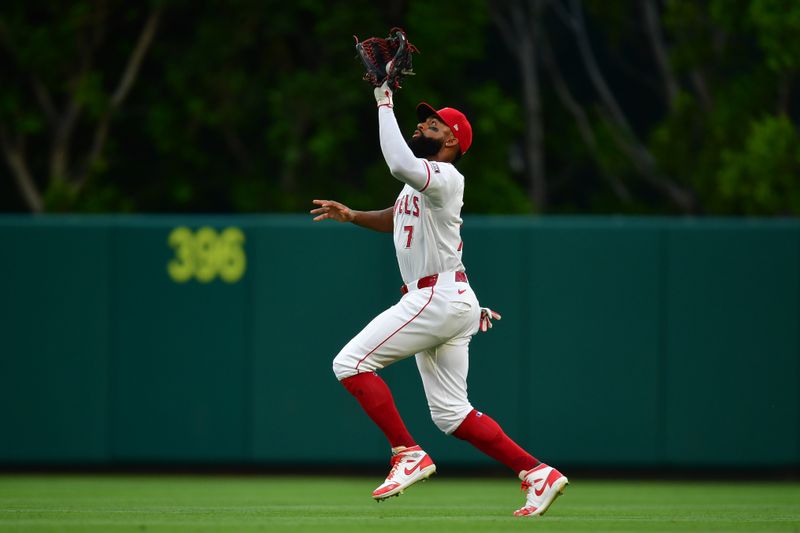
{"x": 447, "y": 419}
{"x": 342, "y": 368}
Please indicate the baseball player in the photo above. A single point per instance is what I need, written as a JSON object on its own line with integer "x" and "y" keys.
{"x": 438, "y": 312}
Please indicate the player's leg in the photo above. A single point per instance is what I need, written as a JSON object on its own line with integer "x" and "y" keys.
{"x": 409, "y": 462}
{"x": 412, "y": 324}
{"x": 375, "y": 398}
{"x": 444, "y": 372}
{"x": 542, "y": 483}
{"x": 397, "y": 333}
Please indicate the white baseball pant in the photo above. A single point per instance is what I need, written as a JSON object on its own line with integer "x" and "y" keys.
{"x": 435, "y": 324}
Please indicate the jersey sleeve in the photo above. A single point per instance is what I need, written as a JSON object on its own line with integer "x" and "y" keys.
{"x": 424, "y": 176}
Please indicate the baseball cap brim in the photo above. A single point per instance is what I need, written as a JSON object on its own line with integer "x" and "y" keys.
{"x": 425, "y": 110}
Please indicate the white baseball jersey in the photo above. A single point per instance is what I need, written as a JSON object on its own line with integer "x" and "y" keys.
{"x": 427, "y": 213}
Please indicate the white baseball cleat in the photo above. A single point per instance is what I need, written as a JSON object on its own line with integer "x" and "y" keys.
{"x": 408, "y": 467}
{"x": 544, "y": 484}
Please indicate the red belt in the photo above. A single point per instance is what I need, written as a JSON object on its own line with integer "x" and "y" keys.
{"x": 430, "y": 281}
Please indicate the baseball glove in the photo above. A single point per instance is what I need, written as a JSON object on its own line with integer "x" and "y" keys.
{"x": 393, "y": 52}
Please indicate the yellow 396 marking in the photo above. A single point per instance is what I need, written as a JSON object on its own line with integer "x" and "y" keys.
{"x": 206, "y": 254}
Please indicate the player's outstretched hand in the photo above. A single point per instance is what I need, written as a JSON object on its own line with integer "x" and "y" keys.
{"x": 487, "y": 315}
{"x": 329, "y": 209}
{"x": 383, "y": 94}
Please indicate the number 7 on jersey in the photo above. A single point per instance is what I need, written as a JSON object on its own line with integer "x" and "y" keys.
{"x": 410, "y": 231}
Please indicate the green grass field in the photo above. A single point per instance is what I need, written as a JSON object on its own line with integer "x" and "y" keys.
{"x": 72, "y": 503}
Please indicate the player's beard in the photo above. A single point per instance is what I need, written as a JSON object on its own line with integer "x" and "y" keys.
{"x": 424, "y": 147}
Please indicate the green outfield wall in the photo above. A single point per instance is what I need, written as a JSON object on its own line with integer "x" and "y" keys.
{"x": 208, "y": 340}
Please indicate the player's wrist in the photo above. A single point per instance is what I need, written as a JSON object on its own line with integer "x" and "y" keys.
{"x": 383, "y": 95}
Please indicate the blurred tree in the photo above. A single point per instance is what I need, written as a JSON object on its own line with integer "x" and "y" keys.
{"x": 522, "y": 22}
{"x": 732, "y": 131}
{"x": 234, "y": 109}
{"x": 68, "y": 72}
{"x": 668, "y": 106}
{"x": 674, "y": 101}
{"x": 250, "y": 114}
{"x": 762, "y": 178}
{"x": 520, "y": 25}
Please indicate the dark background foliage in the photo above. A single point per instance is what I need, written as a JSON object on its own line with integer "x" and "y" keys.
{"x": 614, "y": 106}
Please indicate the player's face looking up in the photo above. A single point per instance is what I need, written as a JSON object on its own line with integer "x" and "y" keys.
{"x": 429, "y": 137}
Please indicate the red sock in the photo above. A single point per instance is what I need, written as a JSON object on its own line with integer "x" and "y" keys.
{"x": 485, "y": 434}
{"x": 376, "y": 399}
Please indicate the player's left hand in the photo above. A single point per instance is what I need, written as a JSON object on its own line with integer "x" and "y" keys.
{"x": 329, "y": 209}
{"x": 383, "y": 94}
{"x": 487, "y": 315}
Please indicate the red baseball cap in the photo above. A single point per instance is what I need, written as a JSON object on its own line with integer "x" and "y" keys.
{"x": 454, "y": 119}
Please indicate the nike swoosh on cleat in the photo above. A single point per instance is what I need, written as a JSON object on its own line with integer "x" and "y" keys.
{"x": 538, "y": 491}
{"x": 409, "y": 471}
{"x": 462, "y": 291}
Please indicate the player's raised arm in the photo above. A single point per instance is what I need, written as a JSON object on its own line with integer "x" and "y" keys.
{"x": 402, "y": 162}
{"x": 374, "y": 220}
